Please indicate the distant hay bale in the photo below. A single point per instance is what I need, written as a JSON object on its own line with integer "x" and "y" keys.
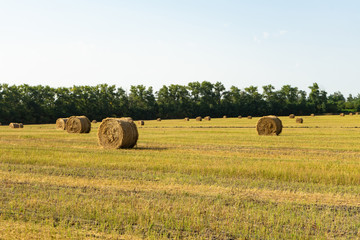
{"x": 141, "y": 123}
{"x": 357, "y": 113}
{"x": 187, "y": 119}
{"x": 299, "y": 120}
{"x": 199, "y": 118}
{"x": 342, "y": 114}
{"x": 207, "y": 118}
{"x": 312, "y": 115}
{"x": 350, "y": 114}
{"x": 249, "y": 117}
{"x": 16, "y": 125}
{"x": 117, "y": 133}
{"x": 269, "y": 125}
{"x": 78, "y": 124}
{"x": 61, "y": 123}
{"x": 224, "y": 116}
{"x": 239, "y": 117}
{"x": 158, "y": 119}
{"x": 0, "y": 123}
{"x": 292, "y": 116}
{"x": 94, "y": 121}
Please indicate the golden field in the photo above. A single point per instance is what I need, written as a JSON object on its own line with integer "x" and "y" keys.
{"x": 184, "y": 180}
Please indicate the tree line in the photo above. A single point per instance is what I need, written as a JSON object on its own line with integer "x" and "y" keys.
{"x": 44, "y": 104}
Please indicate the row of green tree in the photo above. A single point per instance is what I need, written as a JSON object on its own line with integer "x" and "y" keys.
{"x": 44, "y": 104}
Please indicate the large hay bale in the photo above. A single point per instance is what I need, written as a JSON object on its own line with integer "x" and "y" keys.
{"x": 61, "y": 123}
{"x": 207, "y": 118}
{"x": 117, "y": 133}
{"x": 269, "y": 125}
{"x": 342, "y": 114}
{"x": 357, "y": 113}
{"x": 299, "y": 120}
{"x": 187, "y": 119}
{"x": 199, "y": 118}
{"x": 350, "y": 114}
{"x": 16, "y": 125}
{"x": 158, "y": 119}
{"x": 249, "y": 117}
{"x": 224, "y": 116}
{"x": 292, "y": 116}
{"x": 312, "y": 115}
{"x": 141, "y": 123}
{"x": 239, "y": 117}
{"x": 78, "y": 124}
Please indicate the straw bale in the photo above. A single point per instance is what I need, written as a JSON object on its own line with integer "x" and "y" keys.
{"x": 269, "y": 125}
{"x": 141, "y": 123}
{"x": 357, "y": 113}
{"x": 224, "y": 116}
{"x": 78, "y": 124}
{"x": 350, "y": 114}
{"x": 187, "y": 119}
{"x": 199, "y": 118}
{"x": 94, "y": 121}
{"x": 16, "y": 125}
{"x": 249, "y": 117}
{"x": 299, "y": 120}
{"x": 312, "y": 115}
{"x": 61, "y": 123}
{"x": 292, "y": 116}
{"x": 117, "y": 133}
{"x": 158, "y": 119}
{"x": 239, "y": 117}
{"x": 342, "y": 114}
{"x": 207, "y": 118}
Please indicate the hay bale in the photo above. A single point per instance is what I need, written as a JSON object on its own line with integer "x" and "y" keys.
{"x": 299, "y": 120}
{"x": 158, "y": 119}
{"x": 141, "y": 123}
{"x": 117, "y": 133}
{"x": 269, "y": 125}
{"x": 94, "y": 121}
{"x": 312, "y": 115}
{"x": 61, "y": 123}
{"x": 249, "y": 117}
{"x": 207, "y": 118}
{"x": 16, "y": 125}
{"x": 239, "y": 117}
{"x": 292, "y": 116}
{"x": 0, "y": 123}
{"x": 350, "y": 114}
{"x": 199, "y": 119}
{"x": 357, "y": 113}
{"x": 78, "y": 124}
{"x": 342, "y": 114}
{"x": 187, "y": 119}
{"x": 224, "y": 116}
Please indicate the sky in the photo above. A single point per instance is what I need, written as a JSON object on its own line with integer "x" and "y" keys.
{"x": 62, "y": 43}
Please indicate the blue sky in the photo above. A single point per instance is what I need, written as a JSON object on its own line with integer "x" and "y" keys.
{"x": 241, "y": 43}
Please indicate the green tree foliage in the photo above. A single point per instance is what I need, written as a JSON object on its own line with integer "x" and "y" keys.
{"x": 43, "y": 104}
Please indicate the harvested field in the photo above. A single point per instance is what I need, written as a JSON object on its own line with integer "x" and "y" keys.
{"x": 184, "y": 180}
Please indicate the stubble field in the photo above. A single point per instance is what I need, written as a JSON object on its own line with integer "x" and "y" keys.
{"x": 184, "y": 180}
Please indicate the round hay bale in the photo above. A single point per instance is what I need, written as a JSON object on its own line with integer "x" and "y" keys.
{"x": 312, "y": 115}
{"x": 239, "y": 117}
{"x": 292, "y": 116}
{"x": 207, "y": 118}
{"x": 158, "y": 119}
{"x": 187, "y": 119}
{"x": 357, "y": 113}
{"x": 94, "y": 121}
{"x": 117, "y": 133}
{"x": 342, "y": 114}
{"x": 249, "y": 117}
{"x": 199, "y": 119}
{"x": 299, "y": 120}
{"x": 141, "y": 123}
{"x": 269, "y": 125}
{"x": 16, "y": 125}
{"x": 224, "y": 116}
{"x": 78, "y": 124}
{"x": 61, "y": 123}
{"x": 0, "y": 123}
{"x": 350, "y": 114}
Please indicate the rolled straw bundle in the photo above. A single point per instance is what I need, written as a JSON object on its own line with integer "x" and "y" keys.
{"x": 342, "y": 114}
{"x": 249, "y": 117}
{"x": 312, "y": 115}
{"x": 61, "y": 123}
{"x": 292, "y": 116}
{"x": 224, "y": 116}
{"x": 199, "y": 118}
{"x": 117, "y": 133}
{"x": 299, "y": 120}
{"x": 78, "y": 124}
{"x": 94, "y": 121}
{"x": 239, "y": 117}
{"x": 269, "y": 125}
{"x": 16, "y": 125}
{"x": 207, "y": 118}
{"x": 187, "y": 119}
{"x": 159, "y": 119}
{"x": 141, "y": 123}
